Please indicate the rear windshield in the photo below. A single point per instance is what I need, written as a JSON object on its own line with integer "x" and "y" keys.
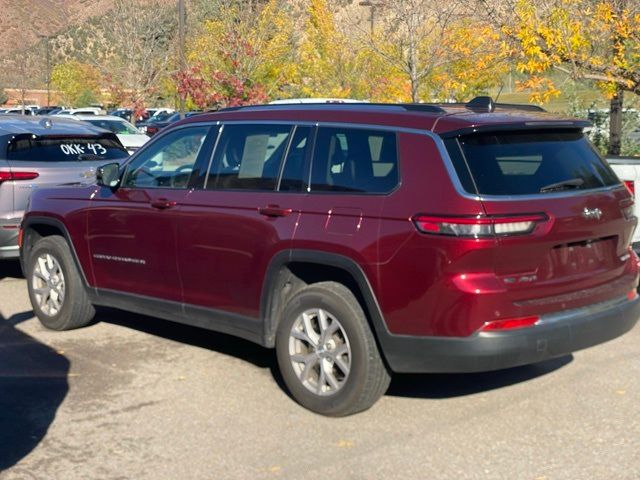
{"x": 525, "y": 163}
{"x": 33, "y": 148}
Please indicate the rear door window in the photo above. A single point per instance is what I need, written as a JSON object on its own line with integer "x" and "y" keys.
{"x": 354, "y": 160}
{"x": 525, "y": 163}
{"x": 248, "y": 157}
{"x": 33, "y": 148}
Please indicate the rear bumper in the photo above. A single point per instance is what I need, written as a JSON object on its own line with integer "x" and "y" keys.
{"x": 556, "y": 335}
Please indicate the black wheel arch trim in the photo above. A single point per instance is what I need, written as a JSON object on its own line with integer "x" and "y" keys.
{"x": 268, "y": 310}
{"x": 30, "y": 222}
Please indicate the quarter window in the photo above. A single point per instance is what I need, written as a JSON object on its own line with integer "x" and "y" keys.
{"x": 167, "y": 163}
{"x": 354, "y": 160}
{"x": 248, "y": 157}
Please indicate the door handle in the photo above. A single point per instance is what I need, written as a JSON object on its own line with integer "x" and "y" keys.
{"x": 274, "y": 211}
{"x": 163, "y": 204}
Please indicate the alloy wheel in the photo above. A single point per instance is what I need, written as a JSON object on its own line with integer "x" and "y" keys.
{"x": 320, "y": 352}
{"x": 48, "y": 284}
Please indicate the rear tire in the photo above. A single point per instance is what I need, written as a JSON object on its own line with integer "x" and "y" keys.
{"x": 327, "y": 354}
{"x": 56, "y": 290}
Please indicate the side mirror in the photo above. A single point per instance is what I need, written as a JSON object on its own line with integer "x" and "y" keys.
{"x": 108, "y": 175}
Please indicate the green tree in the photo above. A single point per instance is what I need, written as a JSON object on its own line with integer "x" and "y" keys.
{"x": 86, "y": 99}
{"x": 3, "y": 96}
{"x": 78, "y": 82}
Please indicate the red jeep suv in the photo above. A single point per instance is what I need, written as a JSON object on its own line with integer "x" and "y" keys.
{"x": 356, "y": 239}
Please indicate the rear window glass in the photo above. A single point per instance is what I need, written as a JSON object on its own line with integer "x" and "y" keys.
{"x": 525, "y": 163}
{"x": 33, "y": 148}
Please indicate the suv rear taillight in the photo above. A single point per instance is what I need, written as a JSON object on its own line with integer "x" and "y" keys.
{"x": 627, "y": 206}
{"x": 479, "y": 226}
{"x": 631, "y": 186}
{"x": 9, "y": 176}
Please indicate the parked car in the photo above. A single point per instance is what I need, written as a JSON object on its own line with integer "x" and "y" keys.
{"x": 148, "y": 115}
{"x": 152, "y": 112}
{"x": 628, "y": 170}
{"x": 121, "y": 112}
{"x": 130, "y": 137}
{"x": 356, "y": 239}
{"x": 17, "y": 111}
{"x": 41, "y": 152}
{"x": 156, "y": 118}
{"x": 81, "y": 111}
{"x": 154, "y": 127}
{"x": 50, "y": 110}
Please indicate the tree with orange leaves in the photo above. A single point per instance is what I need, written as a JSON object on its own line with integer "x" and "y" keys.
{"x": 591, "y": 40}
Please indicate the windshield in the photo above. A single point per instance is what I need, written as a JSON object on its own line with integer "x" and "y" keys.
{"x": 528, "y": 162}
{"x": 28, "y": 147}
{"x": 119, "y": 127}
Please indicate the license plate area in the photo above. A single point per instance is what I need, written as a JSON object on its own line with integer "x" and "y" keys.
{"x": 581, "y": 257}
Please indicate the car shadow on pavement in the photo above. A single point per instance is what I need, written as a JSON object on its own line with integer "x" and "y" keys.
{"x": 197, "y": 337}
{"x": 229, "y": 345}
{"x": 438, "y": 386}
{"x": 10, "y": 269}
{"x": 402, "y": 385}
{"x": 33, "y": 384}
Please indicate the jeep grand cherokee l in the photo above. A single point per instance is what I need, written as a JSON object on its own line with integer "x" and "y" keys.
{"x": 358, "y": 240}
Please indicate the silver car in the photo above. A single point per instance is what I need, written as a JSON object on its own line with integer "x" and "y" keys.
{"x": 40, "y": 152}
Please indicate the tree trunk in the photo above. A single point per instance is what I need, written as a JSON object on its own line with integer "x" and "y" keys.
{"x": 615, "y": 123}
{"x": 413, "y": 68}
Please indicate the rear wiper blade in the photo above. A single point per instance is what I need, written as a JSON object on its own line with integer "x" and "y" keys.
{"x": 564, "y": 185}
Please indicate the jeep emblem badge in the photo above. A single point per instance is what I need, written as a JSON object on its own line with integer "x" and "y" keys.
{"x": 594, "y": 213}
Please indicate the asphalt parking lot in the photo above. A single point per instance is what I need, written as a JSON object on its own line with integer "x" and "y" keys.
{"x": 133, "y": 397}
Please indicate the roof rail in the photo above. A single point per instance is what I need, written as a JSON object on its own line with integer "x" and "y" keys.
{"x": 486, "y": 104}
{"x": 413, "y": 107}
{"x": 478, "y": 104}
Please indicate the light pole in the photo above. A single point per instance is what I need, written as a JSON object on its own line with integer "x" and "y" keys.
{"x": 183, "y": 61}
{"x": 48, "y": 57}
{"x": 373, "y": 5}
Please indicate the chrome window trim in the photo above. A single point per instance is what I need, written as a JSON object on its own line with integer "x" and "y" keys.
{"x": 213, "y": 152}
{"x": 283, "y": 162}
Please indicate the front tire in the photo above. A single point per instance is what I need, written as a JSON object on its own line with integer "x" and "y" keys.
{"x": 327, "y": 354}
{"x": 56, "y": 290}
